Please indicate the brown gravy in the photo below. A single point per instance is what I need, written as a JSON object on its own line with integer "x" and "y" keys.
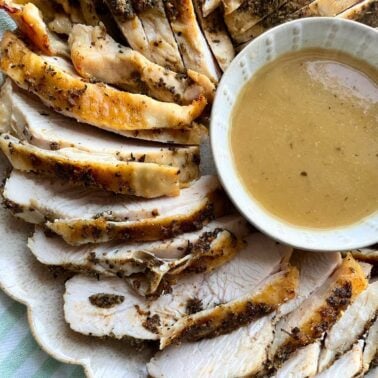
{"x": 304, "y": 138}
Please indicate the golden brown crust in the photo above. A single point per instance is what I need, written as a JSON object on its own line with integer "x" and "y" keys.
{"x": 142, "y": 179}
{"x": 348, "y": 281}
{"x": 225, "y": 318}
{"x": 96, "y": 104}
{"x": 77, "y": 232}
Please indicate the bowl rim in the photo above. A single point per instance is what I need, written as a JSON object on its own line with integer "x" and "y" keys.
{"x": 332, "y": 243}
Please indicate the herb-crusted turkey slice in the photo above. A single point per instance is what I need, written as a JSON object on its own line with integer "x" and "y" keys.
{"x": 96, "y": 55}
{"x": 241, "y": 353}
{"x": 209, "y": 6}
{"x": 96, "y": 104}
{"x": 162, "y": 44}
{"x": 350, "y": 326}
{"x": 42, "y": 198}
{"x": 90, "y": 169}
{"x": 192, "y": 43}
{"x": 370, "y": 356}
{"x": 215, "y": 32}
{"x": 29, "y": 19}
{"x": 320, "y": 311}
{"x": 324, "y": 8}
{"x": 183, "y": 218}
{"x": 145, "y": 265}
{"x": 147, "y": 319}
{"x": 27, "y": 117}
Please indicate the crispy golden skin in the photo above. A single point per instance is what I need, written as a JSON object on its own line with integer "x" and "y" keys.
{"x": 141, "y": 179}
{"x": 95, "y": 104}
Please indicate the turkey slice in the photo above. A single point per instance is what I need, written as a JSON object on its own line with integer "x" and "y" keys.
{"x": 269, "y": 295}
{"x": 145, "y": 265}
{"x": 249, "y": 14}
{"x": 370, "y": 356}
{"x": 96, "y": 104}
{"x": 369, "y": 255}
{"x": 209, "y": 6}
{"x": 192, "y": 44}
{"x": 215, "y": 32}
{"x": 36, "y": 199}
{"x": 29, "y": 19}
{"x": 302, "y": 364}
{"x": 347, "y": 366}
{"x": 147, "y": 319}
{"x": 96, "y": 55}
{"x": 161, "y": 41}
{"x": 324, "y": 8}
{"x": 130, "y": 25}
{"x": 315, "y": 268}
{"x": 93, "y": 169}
{"x": 366, "y": 12}
{"x": 184, "y": 218}
{"x": 320, "y": 311}
{"x": 352, "y": 324}
{"x": 49, "y": 130}
{"x": 231, "y": 5}
{"x": 279, "y": 16}
{"x": 241, "y": 353}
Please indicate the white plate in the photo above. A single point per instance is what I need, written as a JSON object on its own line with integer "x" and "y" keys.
{"x": 331, "y": 33}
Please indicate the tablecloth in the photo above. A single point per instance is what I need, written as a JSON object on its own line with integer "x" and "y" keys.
{"x": 20, "y": 356}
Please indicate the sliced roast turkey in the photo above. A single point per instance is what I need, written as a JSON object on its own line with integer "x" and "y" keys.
{"x": 370, "y": 355}
{"x": 196, "y": 53}
{"x": 368, "y": 255}
{"x": 145, "y": 265}
{"x": 97, "y": 56}
{"x": 27, "y": 117}
{"x": 149, "y": 319}
{"x": 161, "y": 41}
{"x": 95, "y": 104}
{"x": 241, "y": 353}
{"x": 93, "y": 169}
{"x": 87, "y": 215}
{"x": 209, "y": 6}
{"x": 352, "y": 324}
{"x": 319, "y": 312}
{"x": 29, "y": 20}
{"x": 348, "y": 365}
{"x": 216, "y": 34}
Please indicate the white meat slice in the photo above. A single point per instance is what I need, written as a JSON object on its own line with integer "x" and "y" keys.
{"x": 260, "y": 258}
{"x": 279, "y": 16}
{"x": 44, "y": 128}
{"x": 324, "y": 8}
{"x": 319, "y": 312}
{"x": 302, "y": 364}
{"x": 202, "y": 250}
{"x": 216, "y": 35}
{"x": 266, "y": 298}
{"x": 195, "y": 52}
{"x": 351, "y": 326}
{"x": 249, "y": 14}
{"x": 161, "y": 41}
{"x": 42, "y": 198}
{"x": 366, "y": 12}
{"x": 347, "y": 366}
{"x": 96, "y": 104}
{"x": 370, "y": 355}
{"x": 29, "y": 19}
{"x": 93, "y": 169}
{"x": 209, "y": 6}
{"x": 315, "y": 268}
{"x": 241, "y": 353}
{"x": 130, "y": 25}
{"x": 96, "y": 55}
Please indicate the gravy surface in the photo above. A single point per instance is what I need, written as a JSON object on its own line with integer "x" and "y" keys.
{"x": 304, "y": 138}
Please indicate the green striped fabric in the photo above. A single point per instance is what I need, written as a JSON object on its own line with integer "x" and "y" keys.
{"x": 20, "y": 356}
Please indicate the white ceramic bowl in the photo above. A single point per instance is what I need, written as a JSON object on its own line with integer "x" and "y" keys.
{"x": 330, "y": 33}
